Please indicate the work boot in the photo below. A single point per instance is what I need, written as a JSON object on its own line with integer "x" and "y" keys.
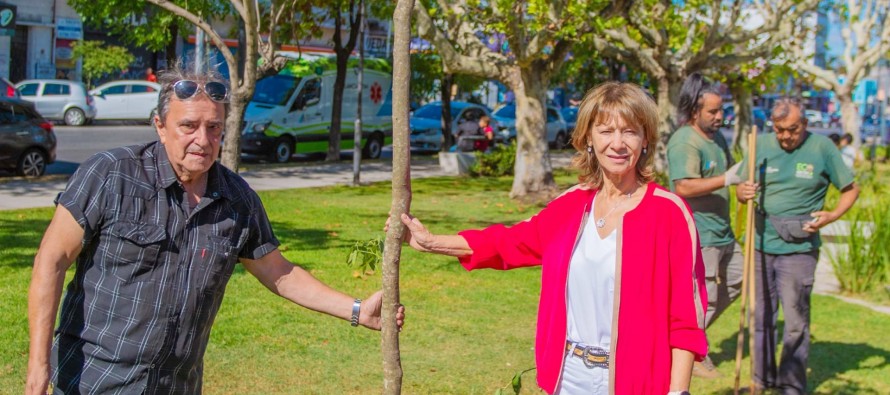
{"x": 705, "y": 369}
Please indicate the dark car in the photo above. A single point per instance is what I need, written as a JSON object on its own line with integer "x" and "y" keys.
{"x": 426, "y": 123}
{"x": 27, "y": 141}
{"x": 758, "y": 116}
{"x": 570, "y": 115}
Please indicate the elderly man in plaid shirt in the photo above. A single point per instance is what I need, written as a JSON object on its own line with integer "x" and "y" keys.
{"x": 156, "y": 230}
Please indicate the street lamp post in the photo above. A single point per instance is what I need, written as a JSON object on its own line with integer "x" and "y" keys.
{"x": 880, "y": 102}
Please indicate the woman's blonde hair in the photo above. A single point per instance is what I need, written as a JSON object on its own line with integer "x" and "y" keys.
{"x": 614, "y": 99}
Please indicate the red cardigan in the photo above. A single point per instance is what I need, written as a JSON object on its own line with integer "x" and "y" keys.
{"x": 660, "y": 295}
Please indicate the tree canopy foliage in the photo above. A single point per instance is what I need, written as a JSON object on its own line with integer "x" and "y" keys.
{"x": 99, "y": 59}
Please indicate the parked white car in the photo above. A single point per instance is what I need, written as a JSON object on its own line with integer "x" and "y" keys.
{"x": 557, "y": 130}
{"x": 59, "y": 99}
{"x": 814, "y": 118}
{"x": 126, "y": 100}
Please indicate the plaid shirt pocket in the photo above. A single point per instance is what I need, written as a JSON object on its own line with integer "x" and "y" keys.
{"x": 134, "y": 250}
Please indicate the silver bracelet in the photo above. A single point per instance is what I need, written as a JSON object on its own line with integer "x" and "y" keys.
{"x": 356, "y": 307}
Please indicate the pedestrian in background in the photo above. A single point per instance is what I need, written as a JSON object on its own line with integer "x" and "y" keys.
{"x": 851, "y": 156}
{"x": 150, "y": 75}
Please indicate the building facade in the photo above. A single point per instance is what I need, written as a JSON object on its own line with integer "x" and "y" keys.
{"x": 37, "y": 44}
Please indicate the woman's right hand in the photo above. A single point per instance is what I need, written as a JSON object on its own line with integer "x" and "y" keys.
{"x": 417, "y": 236}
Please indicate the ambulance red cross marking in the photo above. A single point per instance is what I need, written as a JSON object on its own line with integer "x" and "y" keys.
{"x": 376, "y": 93}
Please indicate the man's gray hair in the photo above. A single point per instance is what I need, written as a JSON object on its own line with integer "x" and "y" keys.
{"x": 180, "y": 72}
{"x": 783, "y": 106}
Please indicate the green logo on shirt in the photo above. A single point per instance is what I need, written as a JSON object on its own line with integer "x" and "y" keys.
{"x": 804, "y": 170}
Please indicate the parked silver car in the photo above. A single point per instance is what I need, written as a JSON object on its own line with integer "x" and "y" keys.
{"x": 126, "y": 100}
{"x": 59, "y": 99}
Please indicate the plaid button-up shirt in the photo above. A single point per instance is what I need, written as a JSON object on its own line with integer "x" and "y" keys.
{"x": 150, "y": 278}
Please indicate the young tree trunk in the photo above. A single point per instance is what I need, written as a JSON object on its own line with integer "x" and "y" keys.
{"x": 447, "y": 133}
{"x": 742, "y": 103}
{"x": 337, "y": 109}
{"x": 360, "y": 80}
{"x": 850, "y": 116}
{"x": 342, "y": 50}
{"x": 668, "y": 95}
{"x": 533, "y": 178}
{"x": 170, "y": 50}
{"x": 401, "y": 197}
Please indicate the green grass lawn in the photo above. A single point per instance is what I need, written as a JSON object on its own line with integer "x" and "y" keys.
{"x": 466, "y": 333}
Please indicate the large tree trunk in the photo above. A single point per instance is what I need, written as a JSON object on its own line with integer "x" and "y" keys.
{"x": 741, "y": 99}
{"x": 849, "y": 116}
{"x": 337, "y": 108}
{"x": 231, "y": 155}
{"x": 668, "y": 94}
{"x": 241, "y": 93}
{"x": 533, "y": 173}
{"x": 401, "y": 197}
{"x": 447, "y": 133}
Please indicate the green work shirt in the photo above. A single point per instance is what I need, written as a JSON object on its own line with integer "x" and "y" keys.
{"x": 794, "y": 183}
{"x": 691, "y": 155}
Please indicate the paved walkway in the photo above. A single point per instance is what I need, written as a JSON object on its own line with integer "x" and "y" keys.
{"x": 23, "y": 193}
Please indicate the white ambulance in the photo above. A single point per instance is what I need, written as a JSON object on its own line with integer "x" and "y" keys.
{"x": 291, "y": 111}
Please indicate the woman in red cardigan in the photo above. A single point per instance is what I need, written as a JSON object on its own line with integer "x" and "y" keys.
{"x": 622, "y": 288}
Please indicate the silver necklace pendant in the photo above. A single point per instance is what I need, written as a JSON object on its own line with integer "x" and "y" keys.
{"x": 602, "y": 221}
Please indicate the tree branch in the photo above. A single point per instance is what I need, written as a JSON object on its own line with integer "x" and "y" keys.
{"x": 645, "y": 56}
{"x": 478, "y": 60}
{"x": 201, "y": 24}
{"x": 656, "y": 38}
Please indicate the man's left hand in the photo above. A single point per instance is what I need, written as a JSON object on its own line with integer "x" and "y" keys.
{"x": 820, "y": 219}
{"x": 369, "y": 315}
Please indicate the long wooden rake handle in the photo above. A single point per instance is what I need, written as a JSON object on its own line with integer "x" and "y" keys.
{"x": 748, "y": 287}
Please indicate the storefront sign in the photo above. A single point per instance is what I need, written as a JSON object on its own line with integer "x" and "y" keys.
{"x": 7, "y": 20}
{"x": 69, "y": 29}
{"x": 64, "y": 56}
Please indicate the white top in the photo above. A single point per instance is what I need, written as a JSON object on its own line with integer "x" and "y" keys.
{"x": 591, "y": 287}
{"x": 848, "y": 154}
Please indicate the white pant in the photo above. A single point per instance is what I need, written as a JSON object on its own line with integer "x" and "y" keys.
{"x": 578, "y": 379}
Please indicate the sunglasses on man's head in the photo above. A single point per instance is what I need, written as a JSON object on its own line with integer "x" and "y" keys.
{"x": 187, "y": 89}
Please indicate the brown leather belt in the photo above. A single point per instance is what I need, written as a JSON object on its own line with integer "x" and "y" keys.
{"x": 593, "y": 356}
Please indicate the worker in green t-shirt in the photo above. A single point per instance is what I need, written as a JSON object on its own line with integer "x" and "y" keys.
{"x": 794, "y": 171}
{"x": 701, "y": 170}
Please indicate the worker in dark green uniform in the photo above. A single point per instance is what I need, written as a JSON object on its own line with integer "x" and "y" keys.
{"x": 701, "y": 170}
{"x": 795, "y": 169}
